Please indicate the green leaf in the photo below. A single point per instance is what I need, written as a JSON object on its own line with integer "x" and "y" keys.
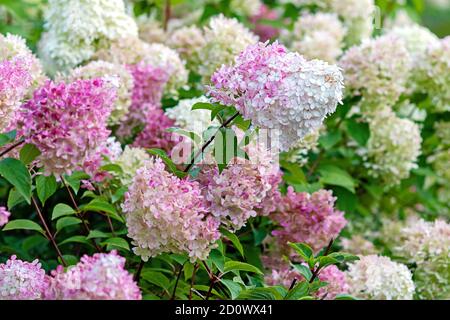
{"x": 329, "y": 140}
{"x": 216, "y": 111}
{"x": 66, "y": 222}
{"x": 76, "y": 239}
{"x": 102, "y": 206}
{"x": 62, "y": 209}
{"x": 116, "y": 242}
{"x": 225, "y": 147}
{"x": 191, "y": 135}
{"x": 326, "y": 261}
{"x": 303, "y": 250}
{"x": 240, "y": 266}
{"x": 97, "y": 234}
{"x": 234, "y": 287}
{"x": 75, "y": 179}
{"x": 112, "y": 167}
{"x": 156, "y": 278}
{"x": 335, "y": 176}
{"x": 359, "y": 131}
{"x": 6, "y": 138}
{"x": 70, "y": 259}
{"x": 269, "y": 293}
{"x": 164, "y": 157}
{"x": 28, "y": 153}
{"x": 203, "y": 106}
{"x": 217, "y": 259}
{"x": 234, "y": 240}
{"x": 45, "y": 187}
{"x": 299, "y": 291}
{"x": 14, "y": 198}
{"x": 345, "y": 297}
{"x": 343, "y": 256}
{"x": 23, "y": 224}
{"x": 304, "y": 271}
{"x": 17, "y": 174}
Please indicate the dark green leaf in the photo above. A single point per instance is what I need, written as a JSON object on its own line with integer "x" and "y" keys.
{"x": 17, "y": 174}
{"x": 45, "y": 187}
{"x": 23, "y": 224}
{"x": 62, "y": 209}
{"x": 303, "y": 270}
{"x": 234, "y": 287}
{"x": 240, "y": 266}
{"x": 76, "y": 239}
{"x": 235, "y": 240}
{"x": 28, "y": 153}
{"x": 303, "y": 250}
{"x": 335, "y": 176}
{"x": 66, "y": 222}
{"x": 116, "y": 242}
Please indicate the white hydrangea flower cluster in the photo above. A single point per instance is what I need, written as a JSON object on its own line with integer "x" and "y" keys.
{"x": 187, "y": 41}
{"x": 280, "y": 90}
{"x": 150, "y": 29}
{"x": 379, "y": 278}
{"x": 427, "y": 245}
{"x": 358, "y": 17}
{"x": 319, "y": 36}
{"x": 440, "y": 159}
{"x": 393, "y": 147}
{"x": 191, "y": 120}
{"x": 130, "y": 161}
{"x": 422, "y": 240}
{"x": 358, "y": 245}
{"x": 225, "y": 38}
{"x": 378, "y": 70}
{"x": 76, "y": 29}
{"x": 417, "y": 40}
{"x": 245, "y": 8}
{"x": 436, "y": 74}
{"x": 115, "y": 73}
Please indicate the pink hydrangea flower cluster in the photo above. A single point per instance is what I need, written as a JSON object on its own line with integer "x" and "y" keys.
{"x": 246, "y": 188}
{"x": 308, "y": 218}
{"x": 265, "y": 31}
{"x": 168, "y": 214}
{"x": 100, "y": 277}
{"x": 281, "y": 90}
{"x": 15, "y": 79}
{"x": 335, "y": 279}
{"x": 148, "y": 89}
{"x": 4, "y": 216}
{"x": 155, "y": 134}
{"x": 22, "y": 280}
{"x": 67, "y": 122}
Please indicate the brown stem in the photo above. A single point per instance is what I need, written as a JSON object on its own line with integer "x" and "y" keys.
{"x": 316, "y": 271}
{"x": 137, "y": 275}
{"x": 293, "y": 284}
{"x": 226, "y": 123}
{"x": 176, "y": 282}
{"x": 11, "y": 147}
{"x": 48, "y": 232}
{"x": 167, "y": 14}
{"x": 196, "y": 266}
{"x": 84, "y": 223}
{"x": 213, "y": 280}
{"x": 110, "y": 225}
